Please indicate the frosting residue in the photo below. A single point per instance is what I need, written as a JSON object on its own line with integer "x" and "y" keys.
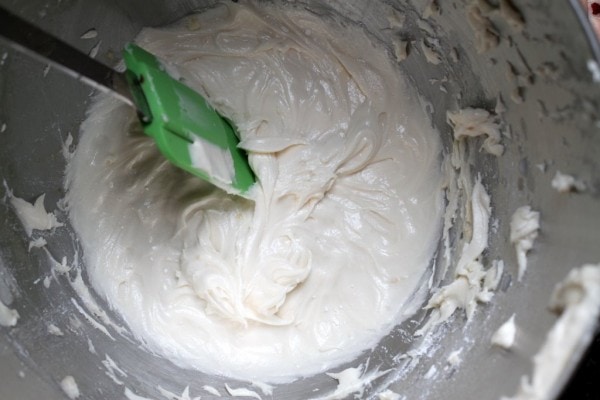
{"x": 577, "y": 299}
{"x": 505, "y": 335}
{"x": 8, "y": 316}
{"x": 472, "y": 122}
{"x": 473, "y": 283}
{"x": 524, "y": 227}
{"x": 564, "y": 183}
{"x": 69, "y": 386}
{"x": 33, "y": 216}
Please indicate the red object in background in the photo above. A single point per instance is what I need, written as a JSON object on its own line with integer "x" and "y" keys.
{"x": 593, "y": 9}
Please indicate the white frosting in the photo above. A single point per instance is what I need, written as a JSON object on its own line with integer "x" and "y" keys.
{"x": 345, "y": 216}
{"x": 430, "y": 52}
{"x": 89, "y": 34}
{"x": 400, "y": 49}
{"x": 69, "y": 386}
{"x": 8, "y": 316}
{"x": 426, "y": 28}
{"x": 185, "y": 395}
{"x": 211, "y": 390}
{"x": 242, "y": 392}
{"x": 33, "y": 216}
{"x": 91, "y": 347}
{"x": 94, "y": 50}
{"x": 486, "y": 35}
{"x": 567, "y": 183}
{"x": 91, "y": 319}
{"x": 432, "y": 9}
{"x": 431, "y": 372}
{"x": 454, "y": 359}
{"x": 500, "y": 107}
{"x": 542, "y": 167}
{"x": 473, "y": 283}
{"x": 594, "y": 69}
{"x": 83, "y": 292}
{"x": 505, "y": 335}
{"x": 61, "y": 267}
{"x": 524, "y": 226}
{"x": 577, "y": 298}
{"x": 351, "y": 380}
{"x": 388, "y": 395}
{"x": 512, "y": 15}
{"x": 396, "y": 19}
{"x": 113, "y": 371}
{"x": 37, "y": 243}
{"x": 130, "y": 395}
{"x": 264, "y": 387}
{"x": 55, "y": 330}
{"x": 472, "y": 122}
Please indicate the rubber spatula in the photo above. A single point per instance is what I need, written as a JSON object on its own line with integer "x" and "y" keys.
{"x": 186, "y": 129}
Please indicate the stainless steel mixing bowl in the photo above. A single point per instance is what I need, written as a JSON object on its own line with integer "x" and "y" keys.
{"x": 555, "y": 121}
